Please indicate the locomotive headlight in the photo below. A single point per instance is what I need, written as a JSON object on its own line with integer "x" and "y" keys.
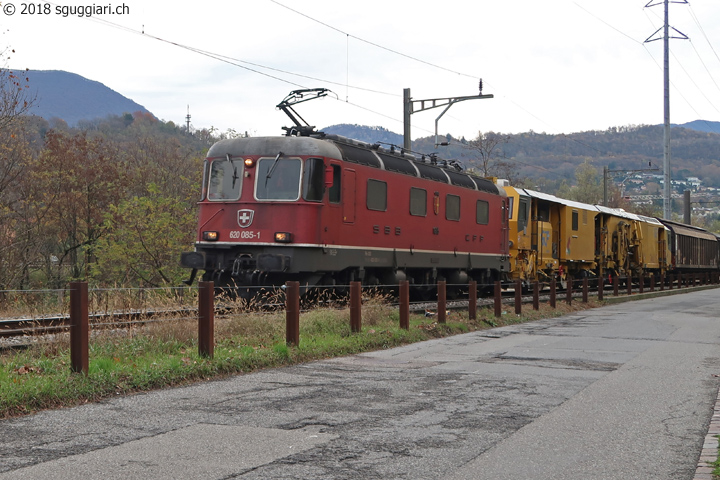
{"x": 211, "y": 236}
{"x": 249, "y": 163}
{"x": 283, "y": 237}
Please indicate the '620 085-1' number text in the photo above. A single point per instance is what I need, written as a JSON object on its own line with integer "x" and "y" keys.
{"x": 245, "y": 234}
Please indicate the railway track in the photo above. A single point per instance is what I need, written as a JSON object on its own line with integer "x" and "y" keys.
{"x": 12, "y": 327}
{"x": 51, "y": 324}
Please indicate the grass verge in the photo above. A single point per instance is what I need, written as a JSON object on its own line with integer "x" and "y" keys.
{"x": 165, "y": 354}
{"x": 716, "y": 464}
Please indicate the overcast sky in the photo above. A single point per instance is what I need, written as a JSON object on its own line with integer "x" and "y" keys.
{"x": 556, "y": 66}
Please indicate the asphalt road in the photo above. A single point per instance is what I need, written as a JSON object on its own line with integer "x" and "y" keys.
{"x": 619, "y": 392}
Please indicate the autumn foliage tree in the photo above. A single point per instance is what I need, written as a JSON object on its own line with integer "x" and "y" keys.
{"x": 112, "y": 202}
{"x": 485, "y": 155}
{"x": 15, "y": 101}
{"x": 76, "y": 180}
{"x": 143, "y": 240}
{"x": 114, "y": 205}
{"x": 588, "y": 186}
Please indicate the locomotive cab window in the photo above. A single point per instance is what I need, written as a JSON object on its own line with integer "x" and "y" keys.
{"x": 225, "y": 179}
{"x": 418, "y": 202}
{"x": 376, "y": 195}
{"x": 278, "y": 178}
{"x": 452, "y": 207}
{"x": 314, "y": 180}
{"x": 575, "y": 222}
{"x": 483, "y": 212}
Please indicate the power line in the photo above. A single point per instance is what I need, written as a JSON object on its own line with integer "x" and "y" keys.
{"x": 239, "y": 63}
{"x": 349, "y": 35}
{"x": 702, "y": 30}
{"x": 242, "y": 63}
{"x": 606, "y": 23}
{"x": 705, "y": 67}
{"x": 373, "y": 43}
{"x": 678, "y": 90}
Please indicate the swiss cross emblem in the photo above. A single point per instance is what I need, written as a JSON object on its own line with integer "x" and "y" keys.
{"x": 245, "y": 217}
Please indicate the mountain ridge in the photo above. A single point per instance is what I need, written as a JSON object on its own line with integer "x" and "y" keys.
{"x": 373, "y": 134}
{"x": 72, "y": 97}
{"x": 551, "y": 158}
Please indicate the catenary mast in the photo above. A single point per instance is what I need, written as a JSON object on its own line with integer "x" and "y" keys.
{"x": 667, "y": 190}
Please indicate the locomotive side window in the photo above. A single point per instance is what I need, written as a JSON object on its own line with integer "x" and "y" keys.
{"x": 418, "y": 202}
{"x": 523, "y": 212}
{"x": 575, "y": 222}
{"x": 334, "y": 192}
{"x": 376, "y": 195}
{"x": 225, "y": 179}
{"x": 452, "y": 207}
{"x": 483, "y": 212}
{"x": 278, "y": 178}
{"x": 314, "y": 180}
{"x": 203, "y": 194}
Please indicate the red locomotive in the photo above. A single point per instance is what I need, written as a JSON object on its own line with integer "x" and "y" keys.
{"x": 326, "y": 210}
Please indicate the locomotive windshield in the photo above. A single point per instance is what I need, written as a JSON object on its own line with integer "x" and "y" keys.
{"x": 225, "y": 179}
{"x": 278, "y": 179}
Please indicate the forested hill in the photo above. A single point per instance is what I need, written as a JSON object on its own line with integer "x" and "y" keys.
{"x": 72, "y": 98}
{"x": 539, "y": 155}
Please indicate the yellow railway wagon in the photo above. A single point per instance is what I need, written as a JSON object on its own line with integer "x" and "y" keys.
{"x": 550, "y": 236}
{"x": 630, "y": 244}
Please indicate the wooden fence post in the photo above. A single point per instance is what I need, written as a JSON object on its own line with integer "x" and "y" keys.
{"x": 553, "y": 292}
{"x": 79, "y": 327}
{"x": 292, "y": 313}
{"x": 442, "y": 301}
{"x": 498, "y": 300}
{"x": 472, "y": 300}
{"x": 569, "y": 290}
{"x": 355, "y": 307}
{"x": 536, "y": 295}
{"x": 518, "y": 297}
{"x": 405, "y": 305}
{"x": 206, "y": 319}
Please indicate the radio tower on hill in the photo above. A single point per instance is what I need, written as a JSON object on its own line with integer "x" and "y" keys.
{"x": 187, "y": 119}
